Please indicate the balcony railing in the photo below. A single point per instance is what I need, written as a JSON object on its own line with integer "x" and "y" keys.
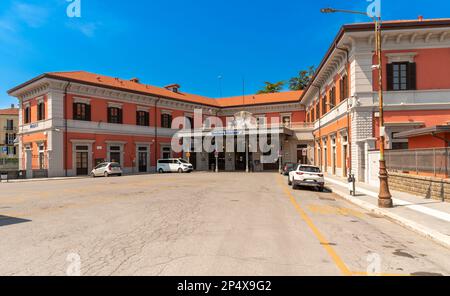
{"x": 10, "y": 129}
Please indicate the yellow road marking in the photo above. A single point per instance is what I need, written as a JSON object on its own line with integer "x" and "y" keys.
{"x": 323, "y": 241}
{"x": 331, "y": 210}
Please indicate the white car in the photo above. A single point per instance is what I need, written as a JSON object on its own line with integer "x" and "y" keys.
{"x": 107, "y": 169}
{"x": 174, "y": 165}
{"x": 307, "y": 175}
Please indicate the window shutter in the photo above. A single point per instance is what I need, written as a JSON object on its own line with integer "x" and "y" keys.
{"x": 137, "y": 118}
{"x": 109, "y": 114}
{"x": 120, "y": 116}
{"x": 88, "y": 112}
{"x": 390, "y": 76}
{"x": 147, "y": 118}
{"x": 74, "y": 111}
{"x": 43, "y": 111}
{"x": 412, "y": 75}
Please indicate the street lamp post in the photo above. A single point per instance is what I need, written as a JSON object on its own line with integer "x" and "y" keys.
{"x": 384, "y": 196}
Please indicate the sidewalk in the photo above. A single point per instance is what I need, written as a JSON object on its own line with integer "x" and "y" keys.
{"x": 430, "y": 218}
{"x": 43, "y": 179}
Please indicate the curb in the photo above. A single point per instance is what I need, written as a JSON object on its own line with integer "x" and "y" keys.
{"x": 43, "y": 180}
{"x": 436, "y": 236}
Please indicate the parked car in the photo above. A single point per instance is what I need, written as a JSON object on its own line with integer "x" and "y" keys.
{"x": 288, "y": 167}
{"x": 307, "y": 175}
{"x": 107, "y": 169}
{"x": 174, "y": 165}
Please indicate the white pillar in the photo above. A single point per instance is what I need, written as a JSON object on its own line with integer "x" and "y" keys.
{"x": 29, "y": 163}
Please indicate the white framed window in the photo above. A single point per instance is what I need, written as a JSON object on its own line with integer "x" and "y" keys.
{"x": 286, "y": 120}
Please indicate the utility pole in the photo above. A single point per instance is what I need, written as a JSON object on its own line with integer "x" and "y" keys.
{"x": 384, "y": 196}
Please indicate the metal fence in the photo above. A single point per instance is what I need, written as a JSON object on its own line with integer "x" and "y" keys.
{"x": 430, "y": 161}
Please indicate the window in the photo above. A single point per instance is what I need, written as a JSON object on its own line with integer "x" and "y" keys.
{"x": 344, "y": 94}
{"x": 324, "y": 105}
{"x": 12, "y": 150}
{"x": 41, "y": 111}
{"x": 81, "y": 112}
{"x": 401, "y": 76}
{"x": 190, "y": 120}
{"x": 286, "y": 120}
{"x": 9, "y": 139}
{"x": 316, "y": 111}
{"x": 82, "y": 148}
{"x": 114, "y": 115}
{"x": 142, "y": 118}
{"x": 309, "y": 169}
{"x": 9, "y": 125}
{"x": 27, "y": 114}
{"x": 166, "y": 152}
{"x": 166, "y": 120}
{"x": 102, "y": 165}
{"x": 41, "y": 156}
{"x": 333, "y": 97}
{"x": 115, "y": 153}
{"x": 398, "y": 144}
{"x": 261, "y": 120}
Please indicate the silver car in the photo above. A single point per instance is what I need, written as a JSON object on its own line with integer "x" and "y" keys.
{"x": 107, "y": 169}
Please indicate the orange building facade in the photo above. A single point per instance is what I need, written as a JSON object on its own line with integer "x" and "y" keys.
{"x": 342, "y": 99}
{"x": 71, "y": 121}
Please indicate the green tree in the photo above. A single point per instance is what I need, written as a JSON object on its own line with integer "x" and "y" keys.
{"x": 272, "y": 87}
{"x": 302, "y": 80}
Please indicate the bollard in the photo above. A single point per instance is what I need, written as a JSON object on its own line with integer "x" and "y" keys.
{"x": 352, "y": 185}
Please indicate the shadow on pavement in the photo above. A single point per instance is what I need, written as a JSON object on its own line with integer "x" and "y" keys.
{"x": 6, "y": 221}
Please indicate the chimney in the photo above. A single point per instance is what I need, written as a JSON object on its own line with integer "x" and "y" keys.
{"x": 12, "y": 106}
{"x": 420, "y": 18}
{"x": 173, "y": 87}
{"x": 135, "y": 80}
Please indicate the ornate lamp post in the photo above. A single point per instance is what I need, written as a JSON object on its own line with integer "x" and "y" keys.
{"x": 384, "y": 196}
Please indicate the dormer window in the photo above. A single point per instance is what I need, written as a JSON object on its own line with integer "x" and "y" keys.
{"x": 173, "y": 88}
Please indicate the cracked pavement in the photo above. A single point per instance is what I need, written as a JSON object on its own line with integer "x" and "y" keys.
{"x": 199, "y": 224}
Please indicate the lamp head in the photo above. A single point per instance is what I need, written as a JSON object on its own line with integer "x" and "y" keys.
{"x": 327, "y": 10}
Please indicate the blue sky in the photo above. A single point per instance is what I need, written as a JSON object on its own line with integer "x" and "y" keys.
{"x": 179, "y": 41}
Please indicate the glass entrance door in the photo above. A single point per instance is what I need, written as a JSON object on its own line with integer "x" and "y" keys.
{"x": 82, "y": 163}
{"x": 143, "y": 156}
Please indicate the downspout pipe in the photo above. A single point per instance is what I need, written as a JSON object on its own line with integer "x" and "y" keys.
{"x": 65, "y": 127}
